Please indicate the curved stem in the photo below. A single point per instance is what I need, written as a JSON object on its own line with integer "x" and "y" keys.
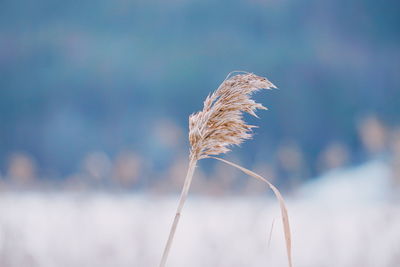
{"x": 184, "y": 193}
{"x": 285, "y": 216}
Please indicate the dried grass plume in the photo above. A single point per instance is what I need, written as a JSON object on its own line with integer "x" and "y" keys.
{"x": 220, "y": 124}
{"x": 216, "y": 128}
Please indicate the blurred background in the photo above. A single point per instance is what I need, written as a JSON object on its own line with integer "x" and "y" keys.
{"x": 94, "y": 104}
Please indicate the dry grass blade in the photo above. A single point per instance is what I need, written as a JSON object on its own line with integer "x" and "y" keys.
{"x": 270, "y": 233}
{"x": 285, "y": 216}
{"x": 217, "y": 127}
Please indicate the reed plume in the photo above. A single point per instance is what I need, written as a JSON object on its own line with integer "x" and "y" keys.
{"x": 219, "y": 126}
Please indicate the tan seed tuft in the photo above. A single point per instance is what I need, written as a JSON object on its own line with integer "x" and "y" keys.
{"x": 220, "y": 124}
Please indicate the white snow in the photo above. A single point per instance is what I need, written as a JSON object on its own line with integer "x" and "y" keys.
{"x": 341, "y": 220}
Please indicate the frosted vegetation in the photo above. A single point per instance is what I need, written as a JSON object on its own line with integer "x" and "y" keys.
{"x": 335, "y": 222}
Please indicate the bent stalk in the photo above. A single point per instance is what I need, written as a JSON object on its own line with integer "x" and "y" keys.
{"x": 285, "y": 216}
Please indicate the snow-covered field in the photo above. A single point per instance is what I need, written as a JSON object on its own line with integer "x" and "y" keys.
{"x": 342, "y": 220}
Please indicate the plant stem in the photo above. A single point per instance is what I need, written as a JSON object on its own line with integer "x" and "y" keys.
{"x": 285, "y": 216}
{"x": 184, "y": 193}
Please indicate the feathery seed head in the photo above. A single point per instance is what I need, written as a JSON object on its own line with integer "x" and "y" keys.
{"x": 220, "y": 124}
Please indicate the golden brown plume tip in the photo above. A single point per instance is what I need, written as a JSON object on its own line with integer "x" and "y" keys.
{"x": 220, "y": 124}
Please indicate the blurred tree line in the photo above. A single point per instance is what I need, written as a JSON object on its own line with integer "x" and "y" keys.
{"x": 80, "y": 76}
